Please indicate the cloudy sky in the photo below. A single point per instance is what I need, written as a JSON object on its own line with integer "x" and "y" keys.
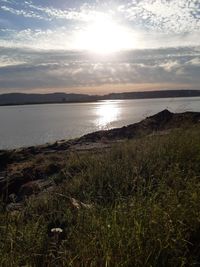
{"x": 99, "y": 46}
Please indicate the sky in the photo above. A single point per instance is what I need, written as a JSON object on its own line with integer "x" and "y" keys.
{"x": 98, "y": 47}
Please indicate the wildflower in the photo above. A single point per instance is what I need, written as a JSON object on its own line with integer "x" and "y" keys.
{"x": 56, "y": 230}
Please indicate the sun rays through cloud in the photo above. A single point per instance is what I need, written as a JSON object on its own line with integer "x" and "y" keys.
{"x": 103, "y": 35}
{"x": 65, "y": 45}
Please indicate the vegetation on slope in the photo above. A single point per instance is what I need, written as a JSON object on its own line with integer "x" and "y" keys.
{"x": 137, "y": 204}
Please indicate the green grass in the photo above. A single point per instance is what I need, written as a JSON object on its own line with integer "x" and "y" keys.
{"x": 146, "y": 209}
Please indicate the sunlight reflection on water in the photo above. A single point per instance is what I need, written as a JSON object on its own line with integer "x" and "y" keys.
{"x": 37, "y": 124}
{"x": 107, "y": 112}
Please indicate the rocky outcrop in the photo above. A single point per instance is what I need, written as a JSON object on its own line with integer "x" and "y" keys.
{"x": 163, "y": 120}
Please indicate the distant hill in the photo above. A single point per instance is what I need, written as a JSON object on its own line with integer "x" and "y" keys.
{"x": 25, "y": 99}
{"x": 154, "y": 94}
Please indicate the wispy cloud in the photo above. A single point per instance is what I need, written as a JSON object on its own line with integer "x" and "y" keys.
{"x": 21, "y": 12}
{"x": 155, "y": 22}
{"x": 177, "y": 16}
{"x": 38, "y": 39}
{"x": 28, "y": 9}
{"x": 84, "y": 13}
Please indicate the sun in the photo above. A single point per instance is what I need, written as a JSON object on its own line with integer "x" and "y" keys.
{"x": 105, "y": 36}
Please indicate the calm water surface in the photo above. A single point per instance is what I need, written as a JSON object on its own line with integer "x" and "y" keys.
{"x": 39, "y": 124}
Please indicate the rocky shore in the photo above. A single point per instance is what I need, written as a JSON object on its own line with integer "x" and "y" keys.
{"x": 27, "y": 171}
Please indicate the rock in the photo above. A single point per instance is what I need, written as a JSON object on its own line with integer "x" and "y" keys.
{"x": 34, "y": 187}
{"x": 29, "y": 188}
{"x": 164, "y": 115}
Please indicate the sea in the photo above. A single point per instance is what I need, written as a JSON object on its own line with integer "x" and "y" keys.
{"x": 29, "y": 125}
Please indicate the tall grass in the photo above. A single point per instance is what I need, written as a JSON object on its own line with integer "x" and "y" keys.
{"x": 145, "y": 197}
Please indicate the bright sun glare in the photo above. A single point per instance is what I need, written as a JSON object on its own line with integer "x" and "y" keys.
{"x": 105, "y": 36}
{"x": 108, "y": 112}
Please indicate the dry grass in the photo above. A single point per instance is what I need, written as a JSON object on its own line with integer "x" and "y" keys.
{"x": 145, "y": 197}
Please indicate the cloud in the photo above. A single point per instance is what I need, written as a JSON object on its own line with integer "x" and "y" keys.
{"x": 21, "y": 12}
{"x": 55, "y": 69}
{"x": 28, "y": 9}
{"x": 60, "y": 38}
{"x": 153, "y": 23}
{"x": 177, "y": 16}
{"x": 38, "y": 41}
{"x": 194, "y": 62}
{"x": 171, "y": 16}
{"x": 85, "y": 13}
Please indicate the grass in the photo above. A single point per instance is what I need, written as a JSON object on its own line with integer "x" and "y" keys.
{"x": 145, "y": 197}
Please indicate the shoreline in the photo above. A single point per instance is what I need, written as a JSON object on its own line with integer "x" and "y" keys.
{"x": 94, "y": 101}
{"x": 36, "y": 164}
{"x": 15, "y": 99}
{"x": 157, "y": 122}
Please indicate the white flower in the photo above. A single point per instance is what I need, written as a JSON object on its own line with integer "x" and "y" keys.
{"x": 56, "y": 230}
